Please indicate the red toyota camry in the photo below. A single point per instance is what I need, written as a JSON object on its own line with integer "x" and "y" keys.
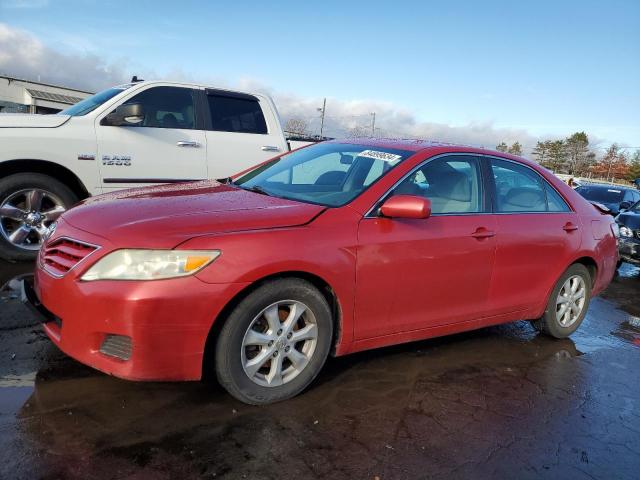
{"x": 331, "y": 249}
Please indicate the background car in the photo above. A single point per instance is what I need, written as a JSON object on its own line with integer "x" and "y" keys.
{"x": 614, "y": 197}
{"x": 629, "y": 246}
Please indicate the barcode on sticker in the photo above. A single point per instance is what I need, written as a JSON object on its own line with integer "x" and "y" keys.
{"x": 384, "y": 156}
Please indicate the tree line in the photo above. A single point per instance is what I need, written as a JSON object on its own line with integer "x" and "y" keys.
{"x": 573, "y": 156}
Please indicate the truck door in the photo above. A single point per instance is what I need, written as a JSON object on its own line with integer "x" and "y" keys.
{"x": 167, "y": 146}
{"x": 242, "y": 130}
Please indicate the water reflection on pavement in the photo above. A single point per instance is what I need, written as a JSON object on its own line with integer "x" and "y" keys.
{"x": 495, "y": 403}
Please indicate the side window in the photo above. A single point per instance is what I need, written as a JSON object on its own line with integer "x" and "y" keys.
{"x": 167, "y": 107}
{"x": 520, "y": 189}
{"x": 236, "y": 114}
{"x": 451, "y": 183}
{"x": 555, "y": 201}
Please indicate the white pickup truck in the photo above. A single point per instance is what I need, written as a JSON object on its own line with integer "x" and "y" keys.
{"x": 137, "y": 134}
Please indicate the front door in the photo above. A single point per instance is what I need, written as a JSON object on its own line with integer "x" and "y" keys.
{"x": 414, "y": 274}
{"x": 165, "y": 147}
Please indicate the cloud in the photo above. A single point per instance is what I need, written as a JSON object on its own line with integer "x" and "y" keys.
{"x": 25, "y": 56}
{"x": 343, "y": 117}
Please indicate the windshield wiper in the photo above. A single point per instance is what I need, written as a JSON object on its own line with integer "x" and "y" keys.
{"x": 258, "y": 189}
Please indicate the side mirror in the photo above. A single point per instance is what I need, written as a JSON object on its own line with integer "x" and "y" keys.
{"x": 406, "y": 206}
{"x": 625, "y": 206}
{"x": 129, "y": 114}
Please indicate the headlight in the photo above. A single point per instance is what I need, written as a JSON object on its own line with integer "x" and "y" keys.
{"x": 150, "y": 264}
{"x": 626, "y": 232}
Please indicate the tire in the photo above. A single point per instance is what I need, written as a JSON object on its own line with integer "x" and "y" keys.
{"x": 52, "y": 196}
{"x": 234, "y": 351}
{"x": 549, "y": 323}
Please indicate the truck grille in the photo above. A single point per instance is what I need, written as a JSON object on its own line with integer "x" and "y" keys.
{"x": 61, "y": 255}
{"x": 118, "y": 346}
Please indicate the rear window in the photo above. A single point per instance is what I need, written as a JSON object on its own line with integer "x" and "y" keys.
{"x": 236, "y": 114}
{"x": 601, "y": 194}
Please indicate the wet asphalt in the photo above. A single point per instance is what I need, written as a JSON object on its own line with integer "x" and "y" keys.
{"x": 501, "y": 402}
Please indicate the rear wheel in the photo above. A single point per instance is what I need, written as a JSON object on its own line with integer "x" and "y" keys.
{"x": 567, "y": 304}
{"x": 29, "y": 203}
{"x": 274, "y": 343}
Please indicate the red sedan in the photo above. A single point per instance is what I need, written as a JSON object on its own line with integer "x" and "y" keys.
{"x": 331, "y": 249}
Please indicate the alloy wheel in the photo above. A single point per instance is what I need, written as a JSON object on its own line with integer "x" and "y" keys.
{"x": 25, "y": 216}
{"x": 570, "y": 301}
{"x": 279, "y": 343}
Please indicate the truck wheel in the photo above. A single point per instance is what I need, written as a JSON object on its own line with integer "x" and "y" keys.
{"x": 29, "y": 203}
{"x": 567, "y": 304}
{"x": 274, "y": 343}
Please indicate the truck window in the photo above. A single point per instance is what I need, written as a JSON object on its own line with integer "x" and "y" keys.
{"x": 240, "y": 115}
{"x": 167, "y": 107}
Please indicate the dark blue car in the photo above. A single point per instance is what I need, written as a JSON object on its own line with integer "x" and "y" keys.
{"x": 629, "y": 223}
{"x": 614, "y": 197}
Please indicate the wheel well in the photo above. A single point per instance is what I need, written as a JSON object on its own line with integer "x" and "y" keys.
{"x": 591, "y": 266}
{"x": 54, "y": 170}
{"x": 208, "y": 370}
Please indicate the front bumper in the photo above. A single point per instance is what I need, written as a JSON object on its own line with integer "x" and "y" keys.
{"x": 166, "y": 322}
{"x": 629, "y": 249}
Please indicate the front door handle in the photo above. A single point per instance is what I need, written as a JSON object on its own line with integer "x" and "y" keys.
{"x": 185, "y": 143}
{"x": 270, "y": 148}
{"x": 482, "y": 232}
{"x": 570, "y": 227}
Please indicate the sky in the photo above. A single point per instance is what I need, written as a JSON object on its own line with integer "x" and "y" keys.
{"x": 476, "y": 72}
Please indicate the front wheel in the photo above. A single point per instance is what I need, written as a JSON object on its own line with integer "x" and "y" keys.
{"x": 29, "y": 203}
{"x": 275, "y": 342}
{"x": 568, "y": 303}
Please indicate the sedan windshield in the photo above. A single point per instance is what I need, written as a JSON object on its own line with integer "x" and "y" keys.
{"x": 601, "y": 194}
{"x": 329, "y": 174}
{"x": 91, "y": 103}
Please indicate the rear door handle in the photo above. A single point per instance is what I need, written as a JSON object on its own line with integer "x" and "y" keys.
{"x": 570, "y": 227}
{"x": 270, "y": 148}
{"x": 482, "y": 232}
{"x": 185, "y": 143}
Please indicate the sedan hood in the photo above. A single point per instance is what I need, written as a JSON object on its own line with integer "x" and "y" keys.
{"x": 167, "y": 215}
{"x": 629, "y": 219}
{"x": 25, "y": 120}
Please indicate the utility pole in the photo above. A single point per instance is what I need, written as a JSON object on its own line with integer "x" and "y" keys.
{"x": 373, "y": 124}
{"x": 324, "y": 106}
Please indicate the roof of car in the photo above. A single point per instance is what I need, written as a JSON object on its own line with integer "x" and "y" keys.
{"x": 415, "y": 145}
{"x": 605, "y": 185}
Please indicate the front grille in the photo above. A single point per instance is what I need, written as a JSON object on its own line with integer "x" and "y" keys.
{"x": 118, "y": 346}
{"x": 61, "y": 255}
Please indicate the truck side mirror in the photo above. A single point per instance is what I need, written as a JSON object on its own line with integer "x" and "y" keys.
{"x": 129, "y": 114}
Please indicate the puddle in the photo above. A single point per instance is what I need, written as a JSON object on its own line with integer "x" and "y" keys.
{"x": 12, "y": 399}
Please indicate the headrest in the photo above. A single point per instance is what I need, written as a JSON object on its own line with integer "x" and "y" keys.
{"x": 525, "y": 197}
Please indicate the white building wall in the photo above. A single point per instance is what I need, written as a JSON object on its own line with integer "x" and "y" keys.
{"x": 15, "y": 96}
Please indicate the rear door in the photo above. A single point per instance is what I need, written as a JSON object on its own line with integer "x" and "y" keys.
{"x": 169, "y": 145}
{"x": 537, "y": 234}
{"x": 242, "y": 130}
{"x": 413, "y": 274}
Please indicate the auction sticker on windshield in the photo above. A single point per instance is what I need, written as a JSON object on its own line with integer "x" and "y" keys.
{"x": 384, "y": 156}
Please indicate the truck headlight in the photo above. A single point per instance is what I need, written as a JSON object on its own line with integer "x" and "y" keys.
{"x": 150, "y": 264}
{"x": 625, "y": 231}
